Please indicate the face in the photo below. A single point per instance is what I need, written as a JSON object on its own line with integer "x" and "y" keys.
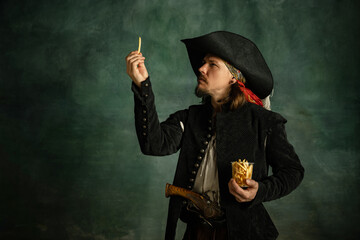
{"x": 214, "y": 78}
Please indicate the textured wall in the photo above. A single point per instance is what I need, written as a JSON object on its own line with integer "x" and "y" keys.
{"x": 70, "y": 165}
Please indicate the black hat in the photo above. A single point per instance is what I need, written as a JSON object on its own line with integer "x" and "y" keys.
{"x": 236, "y": 50}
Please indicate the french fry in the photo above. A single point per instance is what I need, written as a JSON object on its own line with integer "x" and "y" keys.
{"x": 242, "y": 170}
{"x": 139, "y": 48}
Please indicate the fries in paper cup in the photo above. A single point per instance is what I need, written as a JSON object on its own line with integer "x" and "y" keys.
{"x": 242, "y": 170}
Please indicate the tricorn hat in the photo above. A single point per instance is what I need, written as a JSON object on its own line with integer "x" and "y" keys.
{"x": 236, "y": 50}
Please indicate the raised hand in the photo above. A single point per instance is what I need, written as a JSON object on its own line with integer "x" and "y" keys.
{"x": 135, "y": 67}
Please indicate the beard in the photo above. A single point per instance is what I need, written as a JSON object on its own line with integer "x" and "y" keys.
{"x": 201, "y": 93}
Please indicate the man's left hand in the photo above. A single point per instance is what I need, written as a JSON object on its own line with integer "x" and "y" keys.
{"x": 243, "y": 195}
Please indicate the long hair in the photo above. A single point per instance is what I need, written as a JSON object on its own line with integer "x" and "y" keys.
{"x": 236, "y": 97}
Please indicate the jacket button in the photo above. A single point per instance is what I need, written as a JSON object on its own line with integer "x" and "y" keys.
{"x": 144, "y": 126}
{"x": 193, "y": 172}
{"x": 146, "y": 84}
{"x": 206, "y": 142}
{"x": 197, "y": 165}
{"x": 208, "y": 136}
{"x": 209, "y": 120}
{"x": 144, "y": 119}
{"x": 192, "y": 180}
{"x": 209, "y": 128}
{"x": 144, "y": 133}
{"x": 199, "y": 157}
{"x": 189, "y": 187}
{"x": 146, "y": 95}
{"x": 184, "y": 202}
{"x": 144, "y": 111}
{"x": 202, "y": 150}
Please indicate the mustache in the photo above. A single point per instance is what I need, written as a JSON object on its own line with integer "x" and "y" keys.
{"x": 201, "y": 77}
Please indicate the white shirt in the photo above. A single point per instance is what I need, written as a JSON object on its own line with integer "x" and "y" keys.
{"x": 207, "y": 180}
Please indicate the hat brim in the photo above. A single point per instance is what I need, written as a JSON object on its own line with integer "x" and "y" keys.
{"x": 238, "y": 51}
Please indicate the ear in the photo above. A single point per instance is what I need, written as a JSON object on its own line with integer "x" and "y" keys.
{"x": 232, "y": 81}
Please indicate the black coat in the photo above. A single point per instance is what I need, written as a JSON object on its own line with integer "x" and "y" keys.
{"x": 250, "y": 132}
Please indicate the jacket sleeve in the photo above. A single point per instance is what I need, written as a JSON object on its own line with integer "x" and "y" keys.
{"x": 156, "y": 138}
{"x": 286, "y": 167}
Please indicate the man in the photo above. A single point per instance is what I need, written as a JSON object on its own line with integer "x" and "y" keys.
{"x": 231, "y": 124}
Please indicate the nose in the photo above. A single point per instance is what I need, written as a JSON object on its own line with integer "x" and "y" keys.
{"x": 202, "y": 69}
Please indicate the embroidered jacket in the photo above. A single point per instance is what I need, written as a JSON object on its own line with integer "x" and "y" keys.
{"x": 250, "y": 132}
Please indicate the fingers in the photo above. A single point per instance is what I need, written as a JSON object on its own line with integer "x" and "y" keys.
{"x": 133, "y": 53}
{"x": 251, "y": 183}
{"x": 236, "y": 190}
{"x": 135, "y": 67}
{"x": 133, "y": 59}
{"x": 133, "y": 63}
{"x": 243, "y": 195}
{"x": 133, "y": 56}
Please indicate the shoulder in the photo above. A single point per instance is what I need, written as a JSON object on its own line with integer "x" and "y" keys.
{"x": 266, "y": 115}
{"x": 202, "y": 107}
{"x": 192, "y": 110}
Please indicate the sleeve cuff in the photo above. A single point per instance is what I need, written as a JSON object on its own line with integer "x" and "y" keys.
{"x": 144, "y": 91}
{"x": 259, "y": 198}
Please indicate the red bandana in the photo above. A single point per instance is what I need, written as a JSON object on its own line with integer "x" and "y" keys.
{"x": 250, "y": 96}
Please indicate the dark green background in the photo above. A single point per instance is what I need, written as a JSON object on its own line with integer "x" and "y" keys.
{"x": 70, "y": 165}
